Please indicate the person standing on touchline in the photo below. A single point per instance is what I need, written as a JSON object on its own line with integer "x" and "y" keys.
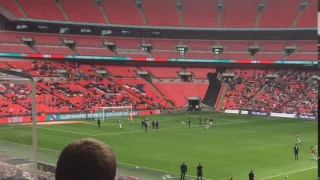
{"x": 251, "y": 175}
{"x": 183, "y": 169}
{"x": 199, "y": 171}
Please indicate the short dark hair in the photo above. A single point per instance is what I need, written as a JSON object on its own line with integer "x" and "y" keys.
{"x": 86, "y": 159}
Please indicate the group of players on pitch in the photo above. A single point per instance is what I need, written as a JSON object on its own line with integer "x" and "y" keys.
{"x": 207, "y": 123}
{"x": 145, "y": 124}
{"x": 155, "y": 123}
{"x": 296, "y": 149}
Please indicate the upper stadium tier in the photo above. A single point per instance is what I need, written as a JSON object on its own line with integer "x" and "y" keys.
{"x": 170, "y": 13}
{"x": 11, "y": 42}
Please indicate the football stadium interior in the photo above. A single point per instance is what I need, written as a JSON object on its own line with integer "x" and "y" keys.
{"x": 251, "y": 65}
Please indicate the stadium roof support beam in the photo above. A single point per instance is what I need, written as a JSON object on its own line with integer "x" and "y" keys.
{"x": 23, "y": 78}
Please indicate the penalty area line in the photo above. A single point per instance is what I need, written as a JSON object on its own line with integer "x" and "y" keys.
{"x": 289, "y": 173}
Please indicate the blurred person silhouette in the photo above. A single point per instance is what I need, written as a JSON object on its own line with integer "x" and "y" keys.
{"x": 86, "y": 159}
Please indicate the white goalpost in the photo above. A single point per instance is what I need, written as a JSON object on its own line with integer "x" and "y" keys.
{"x": 103, "y": 113}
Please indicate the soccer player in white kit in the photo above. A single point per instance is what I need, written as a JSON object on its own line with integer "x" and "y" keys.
{"x": 182, "y": 122}
{"x": 313, "y": 154}
{"x": 120, "y": 124}
{"x": 297, "y": 137}
{"x": 206, "y": 124}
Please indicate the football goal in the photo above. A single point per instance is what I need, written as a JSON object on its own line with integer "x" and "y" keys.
{"x": 109, "y": 112}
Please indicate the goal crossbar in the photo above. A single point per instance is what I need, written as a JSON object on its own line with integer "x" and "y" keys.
{"x": 117, "y": 111}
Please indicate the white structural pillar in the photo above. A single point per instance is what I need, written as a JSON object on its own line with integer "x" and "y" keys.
{"x": 34, "y": 131}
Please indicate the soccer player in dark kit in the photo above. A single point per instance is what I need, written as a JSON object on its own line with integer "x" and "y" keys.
{"x": 157, "y": 125}
{"x": 145, "y": 125}
{"x": 211, "y": 120}
{"x": 200, "y": 120}
{"x": 251, "y": 175}
{"x": 189, "y": 121}
{"x": 199, "y": 172}
{"x": 296, "y": 152}
{"x": 142, "y": 123}
{"x": 153, "y": 125}
{"x": 99, "y": 123}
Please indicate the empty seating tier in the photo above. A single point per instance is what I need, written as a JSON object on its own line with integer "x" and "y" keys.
{"x": 200, "y": 55}
{"x": 11, "y": 6}
{"x": 166, "y": 54}
{"x": 200, "y": 14}
{"x": 201, "y": 73}
{"x": 94, "y": 51}
{"x": 179, "y": 92}
{"x": 129, "y": 16}
{"x": 161, "y": 13}
{"x": 239, "y": 14}
{"x": 303, "y": 56}
{"x": 42, "y": 9}
{"x": 273, "y": 15}
{"x": 46, "y": 39}
{"x": 162, "y": 72}
{"x": 268, "y": 56}
{"x": 8, "y": 37}
{"x": 85, "y": 11}
{"x": 308, "y": 16}
{"x": 234, "y": 14}
{"x": 16, "y": 49}
{"x": 123, "y": 71}
{"x": 54, "y": 50}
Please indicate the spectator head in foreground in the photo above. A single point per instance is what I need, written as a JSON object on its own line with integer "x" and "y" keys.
{"x": 86, "y": 159}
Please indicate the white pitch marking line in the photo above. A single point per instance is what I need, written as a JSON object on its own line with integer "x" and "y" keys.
{"x": 179, "y": 127}
{"x": 117, "y": 162}
{"x": 72, "y": 132}
{"x": 289, "y": 173}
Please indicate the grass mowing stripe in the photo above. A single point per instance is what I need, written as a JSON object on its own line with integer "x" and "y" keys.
{"x": 71, "y": 132}
{"x": 289, "y": 173}
{"x": 117, "y": 162}
{"x": 179, "y": 127}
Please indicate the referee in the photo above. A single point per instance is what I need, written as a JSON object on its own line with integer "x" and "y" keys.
{"x": 199, "y": 172}
{"x": 183, "y": 169}
{"x": 296, "y": 152}
{"x": 99, "y": 123}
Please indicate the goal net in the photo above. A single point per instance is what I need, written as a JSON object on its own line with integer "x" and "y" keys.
{"x": 104, "y": 113}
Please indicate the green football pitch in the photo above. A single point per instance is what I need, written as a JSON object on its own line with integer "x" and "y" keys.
{"x": 233, "y": 146}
